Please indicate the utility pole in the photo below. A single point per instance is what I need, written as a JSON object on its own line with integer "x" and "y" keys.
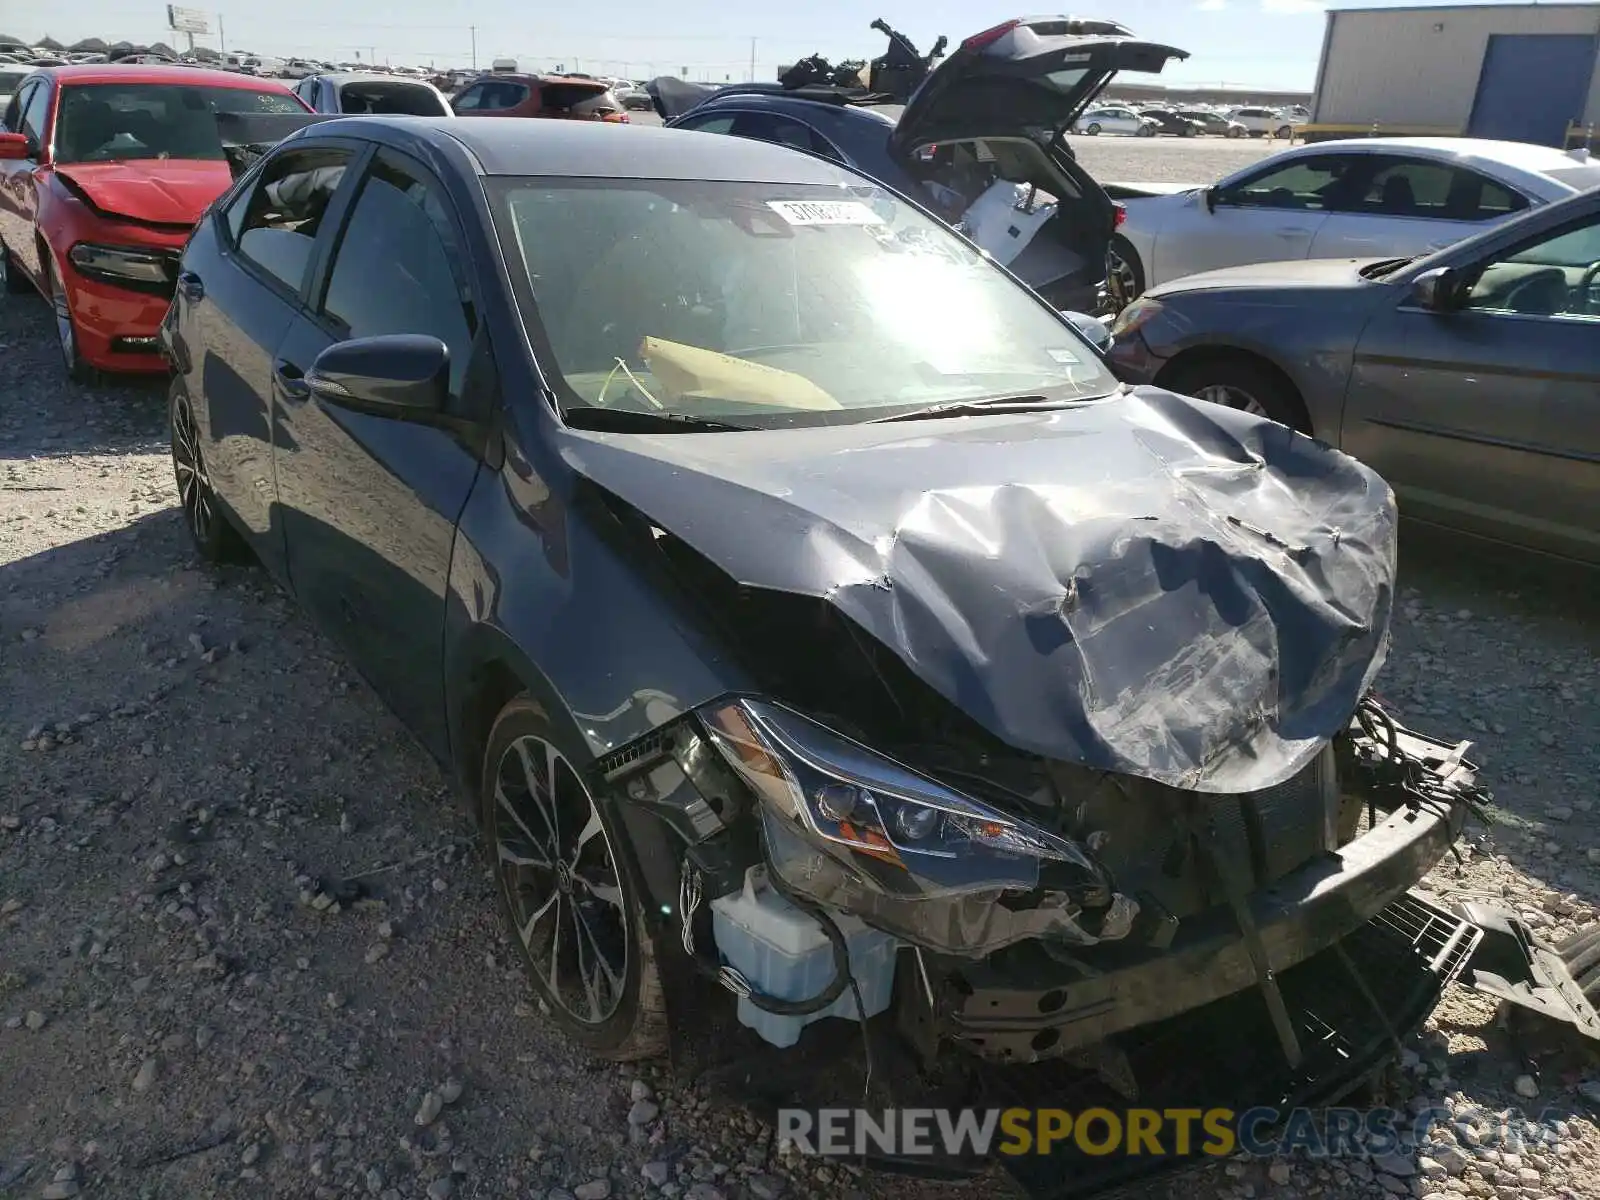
{"x": 222, "y": 35}
{"x": 752, "y": 60}
{"x": 474, "y": 29}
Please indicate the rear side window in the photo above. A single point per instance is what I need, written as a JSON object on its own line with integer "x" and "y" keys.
{"x": 563, "y": 97}
{"x": 1413, "y": 187}
{"x": 275, "y": 223}
{"x": 784, "y": 131}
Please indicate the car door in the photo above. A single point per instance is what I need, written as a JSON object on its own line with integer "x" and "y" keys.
{"x": 1270, "y": 214}
{"x": 1409, "y": 205}
{"x": 19, "y": 192}
{"x": 240, "y": 302}
{"x": 15, "y": 173}
{"x": 370, "y": 502}
{"x": 1485, "y": 415}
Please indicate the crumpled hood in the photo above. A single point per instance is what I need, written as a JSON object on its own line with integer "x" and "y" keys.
{"x": 162, "y": 191}
{"x": 1149, "y": 585}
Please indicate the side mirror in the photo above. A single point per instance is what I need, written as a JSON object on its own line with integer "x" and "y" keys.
{"x": 402, "y": 375}
{"x": 1438, "y": 290}
{"x": 1210, "y": 197}
{"x": 1093, "y": 329}
{"x": 15, "y": 146}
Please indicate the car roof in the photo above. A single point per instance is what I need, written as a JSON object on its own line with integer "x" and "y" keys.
{"x": 597, "y": 150}
{"x": 817, "y": 108}
{"x": 340, "y": 78}
{"x": 531, "y": 77}
{"x": 154, "y": 73}
{"x": 1522, "y": 155}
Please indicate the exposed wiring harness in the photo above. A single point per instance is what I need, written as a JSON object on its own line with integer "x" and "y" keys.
{"x": 1394, "y": 766}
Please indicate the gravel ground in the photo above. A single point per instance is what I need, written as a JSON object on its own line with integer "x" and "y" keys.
{"x": 183, "y": 762}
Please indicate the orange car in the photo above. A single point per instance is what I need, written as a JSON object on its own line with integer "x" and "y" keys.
{"x": 567, "y": 97}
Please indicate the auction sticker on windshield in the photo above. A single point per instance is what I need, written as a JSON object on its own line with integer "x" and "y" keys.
{"x": 825, "y": 212}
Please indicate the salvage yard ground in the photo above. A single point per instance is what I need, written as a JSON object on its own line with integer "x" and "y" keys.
{"x": 182, "y": 759}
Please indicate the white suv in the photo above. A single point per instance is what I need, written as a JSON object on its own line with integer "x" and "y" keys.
{"x": 1262, "y": 121}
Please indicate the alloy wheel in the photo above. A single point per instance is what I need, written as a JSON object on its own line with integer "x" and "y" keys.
{"x": 561, "y": 880}
{"x": 1232, "y": 397}
{"x": 194, "y": 488}
{"x": 1121, "y": 281}
{"x": 66, "y": 336}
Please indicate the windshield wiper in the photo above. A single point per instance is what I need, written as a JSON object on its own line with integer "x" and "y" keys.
{"x": 993, "y": 404}
{"x": 1388, "y": 266}
{"x": 632, "y": 420}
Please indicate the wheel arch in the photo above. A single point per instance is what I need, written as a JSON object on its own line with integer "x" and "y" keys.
{"x": 1211, "y": 352}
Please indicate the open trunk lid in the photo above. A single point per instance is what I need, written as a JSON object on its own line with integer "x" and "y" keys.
{"x": 1024, "y": 78}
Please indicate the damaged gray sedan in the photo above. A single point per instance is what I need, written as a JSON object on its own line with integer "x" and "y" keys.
{"x": 816, "y": 627}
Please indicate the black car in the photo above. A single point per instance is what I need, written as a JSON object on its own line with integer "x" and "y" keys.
{"x": 1171, "y": 122}
{"x": 752, "y": 553}
{"x": 1213, "y": 122}
{"x": 992, "y": 111}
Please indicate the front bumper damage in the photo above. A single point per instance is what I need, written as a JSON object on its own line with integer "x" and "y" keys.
{"x": 1290, "y": 993}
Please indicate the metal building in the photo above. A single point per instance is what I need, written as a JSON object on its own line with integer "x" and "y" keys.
{"x": 1526, "y": 72}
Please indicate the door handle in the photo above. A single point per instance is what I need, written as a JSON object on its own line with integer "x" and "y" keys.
{"x": 291, "y": 381}
{"x": 1287, "y": 231}
{"x": 191, "y": 285}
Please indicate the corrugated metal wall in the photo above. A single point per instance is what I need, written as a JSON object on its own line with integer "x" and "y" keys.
{"x": 1419, "y": 67}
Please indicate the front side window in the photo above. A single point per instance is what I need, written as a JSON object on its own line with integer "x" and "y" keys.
{"x": 470, "y": 99}
{"x": 1414, "y": 187}
{"x": 768, "y": 305}
{"x": 275, "y": 223}
{"x": 114, "y": 122}
{"x": 1556, "y": 276}
{"x": 36, "y": 116}
{"x": 1311, "y": 184}
{"x": 400, "y": 267}
{"x": 716, "y": 124}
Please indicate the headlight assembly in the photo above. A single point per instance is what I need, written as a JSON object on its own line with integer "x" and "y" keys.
{"x": 129, "y": 266}
{"x": 852, "y": 829}
{"x": 1141, "y": 312}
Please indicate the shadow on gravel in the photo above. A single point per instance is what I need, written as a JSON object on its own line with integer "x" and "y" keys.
{"x": 1502, "y": 648}
{"x": 44, "y": 415}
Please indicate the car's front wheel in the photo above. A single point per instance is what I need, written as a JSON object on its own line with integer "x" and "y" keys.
{"x": 78, "y": 369}
{"x": 1147, "y": 131}
{"x": 567, "y": 889}
{"x": 1234, "y": 131}
{"x": 1092, "y": 129}
{"x": 1238, "y": 381}
{"x": 216, "y": 540}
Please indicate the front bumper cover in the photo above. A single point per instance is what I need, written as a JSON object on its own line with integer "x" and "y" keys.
{"x": 1058, "y": 1007}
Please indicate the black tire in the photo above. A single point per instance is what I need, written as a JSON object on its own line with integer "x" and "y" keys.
{"x": 1234, "y": 132}
{"x": 1093, "y": 129}
{"x": 1146, "y": 131}
{"x": 1126, "y": 284}
{"x": 1241, "y": 382}
{"x": 215, "y": 539}
{"x": 1286, "y": 132}
{"x": 550, "y": 903}
{"x": 12, "y": 281}
{"x": 72, "y": 361}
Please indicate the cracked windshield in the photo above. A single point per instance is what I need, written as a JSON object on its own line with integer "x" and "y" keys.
{"x": 761, "y": 305}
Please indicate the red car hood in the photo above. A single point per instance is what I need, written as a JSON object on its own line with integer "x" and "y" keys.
{"x": 163, "y": 191}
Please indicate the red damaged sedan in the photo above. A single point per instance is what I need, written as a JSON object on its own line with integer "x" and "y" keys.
{"x": 103, "y": 172}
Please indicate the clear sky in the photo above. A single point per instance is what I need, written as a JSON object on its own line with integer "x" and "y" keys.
{"x": 1250, "y": 43}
